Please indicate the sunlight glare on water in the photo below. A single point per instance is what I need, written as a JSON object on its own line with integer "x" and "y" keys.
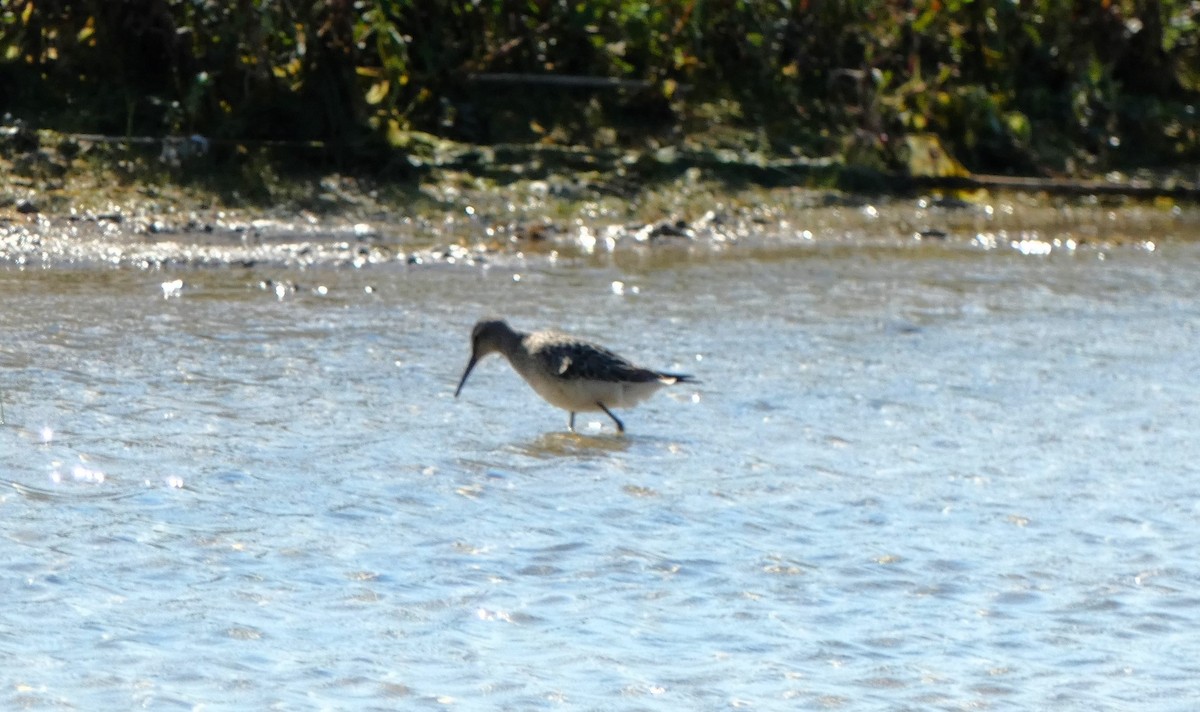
{"x": 920, "y": 479}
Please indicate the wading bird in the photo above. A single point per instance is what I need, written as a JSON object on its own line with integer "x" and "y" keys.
{"x": 570, "y": 373}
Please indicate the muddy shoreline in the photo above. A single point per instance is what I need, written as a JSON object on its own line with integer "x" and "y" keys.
{"x": 128, "y": 207}
{"x": 780, "y": 225}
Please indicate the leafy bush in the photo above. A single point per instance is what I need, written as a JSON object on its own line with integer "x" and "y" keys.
{"x": 1019, "y": 86}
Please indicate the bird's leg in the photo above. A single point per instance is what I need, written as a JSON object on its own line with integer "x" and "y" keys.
{"x": 620, "y": 425}
{"x": 571, "y": 422}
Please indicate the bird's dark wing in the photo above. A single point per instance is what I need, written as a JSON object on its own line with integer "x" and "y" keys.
{"x": 580, "y": 359}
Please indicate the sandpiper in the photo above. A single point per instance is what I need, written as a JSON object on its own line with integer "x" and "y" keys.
{"x": 567, "y": 372}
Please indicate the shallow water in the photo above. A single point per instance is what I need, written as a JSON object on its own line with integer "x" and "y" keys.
{"x": 922, "y": 478}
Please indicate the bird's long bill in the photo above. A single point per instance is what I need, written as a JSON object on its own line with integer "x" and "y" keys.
{"x": 463, "y": 380}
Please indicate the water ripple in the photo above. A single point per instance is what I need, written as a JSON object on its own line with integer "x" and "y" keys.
{"x": 928, "y": 481}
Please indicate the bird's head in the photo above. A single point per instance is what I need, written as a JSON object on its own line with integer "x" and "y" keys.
{"x": 487, "y": 337}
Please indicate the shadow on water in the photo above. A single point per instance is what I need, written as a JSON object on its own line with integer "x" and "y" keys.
{"x": 566, "y": 444}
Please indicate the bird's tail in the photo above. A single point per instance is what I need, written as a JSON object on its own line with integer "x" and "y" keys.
{"x": 672, "y": 378}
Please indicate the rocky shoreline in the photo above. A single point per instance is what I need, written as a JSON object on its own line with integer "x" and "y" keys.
{"x": 66, "y": 203}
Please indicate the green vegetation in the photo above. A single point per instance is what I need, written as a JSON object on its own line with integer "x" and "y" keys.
{"x": 1006, "y": 86}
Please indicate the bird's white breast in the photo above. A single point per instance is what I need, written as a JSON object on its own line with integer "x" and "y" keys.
{"x": 582, "y": 394}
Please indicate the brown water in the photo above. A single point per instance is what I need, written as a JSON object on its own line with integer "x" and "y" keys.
{"x": 919, "y": 473}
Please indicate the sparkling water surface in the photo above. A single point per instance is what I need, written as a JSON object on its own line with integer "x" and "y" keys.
{"x": 936, "y": 479}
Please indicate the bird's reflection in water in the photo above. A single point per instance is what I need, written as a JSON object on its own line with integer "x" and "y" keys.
{"x": 568, "y": 444}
